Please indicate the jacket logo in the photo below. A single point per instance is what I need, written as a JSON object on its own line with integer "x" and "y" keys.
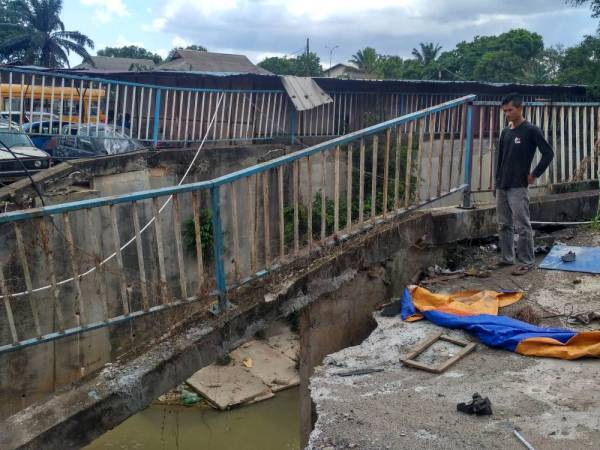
{"x": 517, "y": 140}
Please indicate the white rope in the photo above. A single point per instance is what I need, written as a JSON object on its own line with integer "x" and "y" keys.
{"x": 145, "y": 227}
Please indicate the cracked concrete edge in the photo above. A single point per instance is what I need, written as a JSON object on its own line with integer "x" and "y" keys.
{"x": 77, "y": 414}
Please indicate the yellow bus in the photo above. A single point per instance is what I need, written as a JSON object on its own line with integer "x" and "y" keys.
{"x": 26, "y": 103}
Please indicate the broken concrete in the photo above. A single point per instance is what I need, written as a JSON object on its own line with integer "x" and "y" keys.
{"x": 553, "y": 402}
{"x": 78, "y": 413}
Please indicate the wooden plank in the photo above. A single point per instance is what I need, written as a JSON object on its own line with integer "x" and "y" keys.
{"x": 336, "y": 191}
{"x": 119, "y": 259}
{"x": 555, "y": 147}
{"x": 397, "y": 168}
{"x": 140, "y": 256}
{"x": 323, "y": 199}
{"x": 491, "y": 149}
{"x": 179, "y": 246}
{"x": 252, "y": 229}
{"x": 295, "y": 193}
{"x": 432, "y": 124}
{"x": 160, "y": 252}
{"x": 593, "y": 149}
{"x": 281, "y": 212}
{"x": 545, "y": 129}
{"x": 310, "y": 200}
{"x": 96, "y": 251}
{"x": 577, "y": 142}
{"x": 361, "y": 183}
{"x": 71, "y": 249}
{"x": 586, "y": 154}
{"x": 7, "y": 307}
{"x": 198, "y": 239}
{"x": 419, "y": 158}
{"x": 386, "y": 169}
{"x": 236, "y": 232}
{"x": 570, "y": 137}
{"x": 481, "y": 113}
{"x": 452, "y": 138}
{"x": 349, "y": 191}
{"x": 441, "y": 156}
{"x": 409, "y": 163}
{"x": 563, "y": 153}
{"x": 375, "y": 144}
{"x": 266, "y": 217}
{"x": 47, "y": 248}
{"x": 463, "y": 122}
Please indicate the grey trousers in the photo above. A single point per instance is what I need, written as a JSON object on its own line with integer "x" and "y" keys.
{"x": 512, "y": 212}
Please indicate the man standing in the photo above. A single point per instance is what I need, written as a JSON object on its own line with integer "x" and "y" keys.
{"x": 516, "y": 149}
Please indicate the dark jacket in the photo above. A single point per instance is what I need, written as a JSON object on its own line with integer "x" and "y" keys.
{"x": 516, "y": 150}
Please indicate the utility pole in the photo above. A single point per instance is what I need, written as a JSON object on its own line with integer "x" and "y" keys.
{"x": 307, "y": 58}
{"x": 331, "y": 49}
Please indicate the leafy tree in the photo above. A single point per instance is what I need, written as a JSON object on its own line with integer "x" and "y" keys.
{"x": 277, "y": 65}
{"x": 130, "y": 51}
{"x": 366, "y": 60}
{"x": 38, "y": 36}
{"x": 594, "y": 5}
{"x": 390, "y": 67}
{"x": 198, "y": 48}
{"x": 475, "y": 60}
{"x": 427, "y": 53}
{"x": 303, "y": 65}
{"x": 581, "y": 65}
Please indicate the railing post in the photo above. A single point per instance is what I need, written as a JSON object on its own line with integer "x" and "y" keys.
{"x": 468, "y": 157}
{"x": 156, "y": 118}
{"x": 293, "y": 125}
{"x": 217, "y": 234}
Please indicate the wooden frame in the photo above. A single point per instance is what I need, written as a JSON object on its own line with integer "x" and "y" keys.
{"x": 408, "y": 360}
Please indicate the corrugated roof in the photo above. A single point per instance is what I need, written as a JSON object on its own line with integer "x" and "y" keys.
{"x": 114, "y": 63}
{"x": 199, "y": 61}
{"x": 304, "y": 92}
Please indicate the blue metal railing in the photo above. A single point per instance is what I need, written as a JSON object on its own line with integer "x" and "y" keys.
{"x": 396, "y": 187}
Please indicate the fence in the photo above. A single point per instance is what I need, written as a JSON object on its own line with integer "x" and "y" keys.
{"x": 160, "y": 248}
{"x": 571, "y": 128}
{"x": 159, "y": 116}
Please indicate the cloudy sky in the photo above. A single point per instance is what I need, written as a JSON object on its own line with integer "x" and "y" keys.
{"x": 260, "y": 28}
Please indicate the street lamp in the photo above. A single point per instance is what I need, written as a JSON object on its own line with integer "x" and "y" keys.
{"x": 331, "y": 49}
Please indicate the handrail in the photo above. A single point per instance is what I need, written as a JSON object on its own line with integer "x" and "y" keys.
{"x": 15, "y": 216}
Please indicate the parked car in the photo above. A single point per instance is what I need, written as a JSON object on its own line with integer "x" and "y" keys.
{"x": 43, "y": 133}
{"x": 14, "y": 116}
{"x": 22, "y": 153}
{"x": 87, "y": 140}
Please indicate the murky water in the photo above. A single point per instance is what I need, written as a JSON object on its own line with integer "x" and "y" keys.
{"x": 269, "y": 425}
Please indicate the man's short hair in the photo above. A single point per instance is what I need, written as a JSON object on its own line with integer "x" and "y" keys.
{"x": 514, "y": 98}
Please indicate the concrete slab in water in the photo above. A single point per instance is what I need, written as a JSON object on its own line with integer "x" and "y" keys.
{"x": 227, "y": 386}
{"x": 274, "y": 368}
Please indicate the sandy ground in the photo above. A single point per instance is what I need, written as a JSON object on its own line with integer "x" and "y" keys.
{"x": 555, "y": 403}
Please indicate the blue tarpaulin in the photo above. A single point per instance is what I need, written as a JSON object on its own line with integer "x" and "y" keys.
{"x": 587, "y": 259}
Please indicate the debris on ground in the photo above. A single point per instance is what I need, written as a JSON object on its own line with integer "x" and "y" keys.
{"x": 476, "y": 272}
{"x": 409, "y": 360}
{"x": 573, "y": 259}
{"x": 586, "y": 317}
{"x": 568, "y": 257}
{"x": 365, "y": 371}
{"x": 528, "y": 314}
{"x": 523, "y": 440}
{"x": 480, "y": 406}
{"x": 392, "y": 308}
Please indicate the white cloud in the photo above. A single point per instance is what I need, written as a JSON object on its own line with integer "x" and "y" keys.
{"x": 162, "y": 52}
{"x": 122, "y": 41}
{"x": 106, "y": 10}
{"x": 179, "y": 42}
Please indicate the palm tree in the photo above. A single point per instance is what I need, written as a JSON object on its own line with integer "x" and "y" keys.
{"x": 38, "y": 35}
{"x": 366, "y": 59}
{"x": 428, "y": 53}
